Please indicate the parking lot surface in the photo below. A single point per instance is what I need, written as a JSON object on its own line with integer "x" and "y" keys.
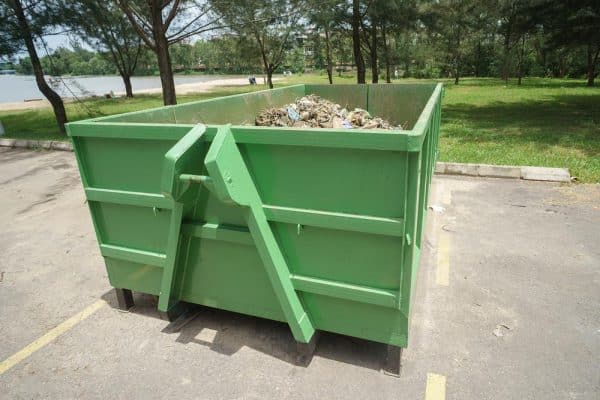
{"x": 507, "y": 306}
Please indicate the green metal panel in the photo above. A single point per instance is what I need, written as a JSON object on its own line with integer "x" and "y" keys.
{"x": 320, "y": 228}
{"x": 140, "y": 277}
{"x": 240, "y": 284}
{"x": 399, "y": 106}
{"x": 163, "y": 115}
{"x": 236, "y": 109}
{"x": 350, "y": 96}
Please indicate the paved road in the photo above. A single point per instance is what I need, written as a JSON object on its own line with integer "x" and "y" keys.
{"x": 507, "y": 306}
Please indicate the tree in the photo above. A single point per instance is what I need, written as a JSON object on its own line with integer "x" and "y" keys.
{"x": 228, "y": 54}
{"x": 357, "y": 16}
{"x": 183, "y": 57}
{"x": 9, "y": 32}
{"x": 515, "y": 23}
{"x": 269, "y": 22}
{"x": 572, "y": 24}
{"x": 322, "y": 14}
{"x": 103, "y": 27}
{"x": 369, "y": 29}
{"x": 160, "y": 23}
{"x": 451, "y": 23}
{"x": 22, "y": 22}
{"x": 382, "y": 18}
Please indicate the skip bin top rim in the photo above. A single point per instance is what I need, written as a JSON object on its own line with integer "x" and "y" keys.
{"x": 414, "y": 137}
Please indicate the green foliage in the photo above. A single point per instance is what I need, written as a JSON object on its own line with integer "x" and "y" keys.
{"x": 41, "y": 19}
{"x": 269, "y": 26}
{"x": 77, "y": 61}
{"x": 103, "y": 26}
{"x": 424, "y": 39}
{"x": 183, "y": 56}
{"x": 224, "y": 54}
{"x": 295, "y": 60}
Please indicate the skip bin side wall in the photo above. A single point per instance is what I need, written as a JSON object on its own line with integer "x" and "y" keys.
{"x": 129, "y": 213}
{"x": 120, "y": 165}
{"x": 296, "y": 172}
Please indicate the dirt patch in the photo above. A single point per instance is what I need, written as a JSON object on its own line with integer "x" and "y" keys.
{"x": 582, "y": 194}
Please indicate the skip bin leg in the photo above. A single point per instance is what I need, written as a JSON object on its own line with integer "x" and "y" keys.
{"x": 305, "y": 351}
{"x": 393, "y": 361}
{"x": 175, "y": 311}
{"x": 124, "y": 299}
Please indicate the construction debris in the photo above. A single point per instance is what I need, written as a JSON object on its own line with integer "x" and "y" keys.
{"x": 313, "y": 111}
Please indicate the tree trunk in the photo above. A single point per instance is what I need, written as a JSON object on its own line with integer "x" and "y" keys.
{"x": 373, "y": 48}
{"x": 457, "y": 59}
{"x": 358, "y": 57}
{"x": 477, "y": 58}
{"x": 591, "y": 64}
{"x": 268, "y": 66}
{"x": 51, "y": 95}
{"x": 328, "y": 57}
{"x": 270, "y": 70}
{"x": 562, "y": 64}
{"x": 162, "y": 55}
{"x": 127, "y": 82}
{"x": 386, "y": 54}
{"x": 166, "y": 73}
{"x": 505, "y": 65}
{"x": 521, "y": 56}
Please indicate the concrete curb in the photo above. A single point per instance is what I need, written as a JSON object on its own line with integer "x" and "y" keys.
{"x": 505, "y": 171}
{"x": 37, "y": 144}
{"x": 446, "y": 168}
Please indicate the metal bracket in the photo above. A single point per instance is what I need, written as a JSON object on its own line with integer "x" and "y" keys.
{"x": 184, "y": 156}
{"x": 232, "y": 183}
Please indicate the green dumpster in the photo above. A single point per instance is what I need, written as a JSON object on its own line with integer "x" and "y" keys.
{"x": 319, "y": 228}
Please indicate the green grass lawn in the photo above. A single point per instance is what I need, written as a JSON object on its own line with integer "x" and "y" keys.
{"x": 544, "y": 122}
{"x": 550, "y": 123}
{"x": 40, "y": 123}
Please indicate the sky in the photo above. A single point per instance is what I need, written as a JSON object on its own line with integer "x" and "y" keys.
{"x": 56, "y": 41}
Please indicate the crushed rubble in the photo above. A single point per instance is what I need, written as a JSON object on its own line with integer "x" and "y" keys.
{"x": 312, "y": 111}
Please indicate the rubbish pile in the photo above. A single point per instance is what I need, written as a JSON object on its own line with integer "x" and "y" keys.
{"x": 312, "y": 111}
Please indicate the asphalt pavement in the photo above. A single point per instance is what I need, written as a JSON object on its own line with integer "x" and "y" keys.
{"x": 507, "y": 306}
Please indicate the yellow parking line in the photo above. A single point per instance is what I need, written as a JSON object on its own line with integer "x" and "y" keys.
{"x": 49, "y": 336}
{"x": 436, "y": 387}
{"x": 447, "y": 197}
{"x": 442, "y": 276}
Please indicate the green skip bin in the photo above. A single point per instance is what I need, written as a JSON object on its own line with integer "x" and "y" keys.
{"x": 318, "y": 228}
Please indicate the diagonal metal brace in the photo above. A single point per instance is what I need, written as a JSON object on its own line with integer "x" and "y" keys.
{"x": 233, "y": 184}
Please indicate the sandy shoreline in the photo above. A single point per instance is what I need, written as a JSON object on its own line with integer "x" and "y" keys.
{"x": 184, "y": 88}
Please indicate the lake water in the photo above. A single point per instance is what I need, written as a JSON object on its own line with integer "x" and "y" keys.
{"x": 15, "y": 88}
